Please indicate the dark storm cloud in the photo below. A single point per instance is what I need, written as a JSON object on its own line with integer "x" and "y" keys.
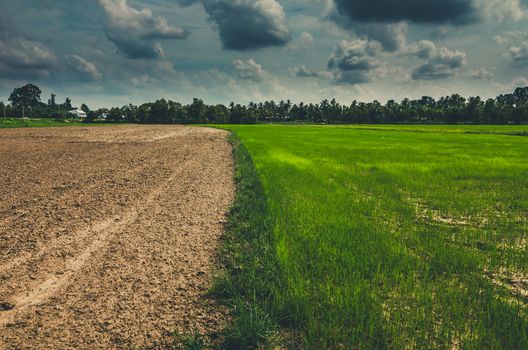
{"x": 386, "y": 21}
{"x": 21, "y": 57}
{"x": 418, "y": 11}
{"x": 354, "y": 62}
{"x": 134, "y": 31}
{"x": 247, "y": 24}
{"x": 134, "y": 48}
{"x": 391, "y": 36}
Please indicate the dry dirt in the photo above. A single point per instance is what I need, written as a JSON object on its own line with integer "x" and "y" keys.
{"x": 109, "y": 235}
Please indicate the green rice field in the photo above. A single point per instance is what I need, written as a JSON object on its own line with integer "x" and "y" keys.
{"x": 384, "y": 237}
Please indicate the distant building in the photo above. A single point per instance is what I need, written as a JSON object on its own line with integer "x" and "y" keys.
{"x": 77, "y": 112}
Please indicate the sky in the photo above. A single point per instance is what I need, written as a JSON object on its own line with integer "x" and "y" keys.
{"x": 115, "y": 52}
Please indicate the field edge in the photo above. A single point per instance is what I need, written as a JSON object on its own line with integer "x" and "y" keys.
{"x": 253, "y": 276}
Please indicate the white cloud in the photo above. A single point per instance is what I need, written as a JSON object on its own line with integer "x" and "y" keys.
{"x": 518, "y": 54}
{"x": 481, "y": 74}
{"x": 306, "y": 39}
{"x": 134, "y": 31}
{"x": 502, "y": 10}
{"x": 302, "y": 72}
{"x": 249, "y": 70}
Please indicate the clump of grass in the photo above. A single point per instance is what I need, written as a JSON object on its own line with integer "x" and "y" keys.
{"x": 252, "y": 327}
{"x": 253, "y": 275}
{"x": 194, "y": 341}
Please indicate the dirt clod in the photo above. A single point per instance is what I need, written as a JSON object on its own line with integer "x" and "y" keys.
{"x": 6, "y": 306}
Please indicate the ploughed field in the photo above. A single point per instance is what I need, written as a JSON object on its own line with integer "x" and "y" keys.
{"x": 396, "y": 237}
{"x": 109, "y": 236}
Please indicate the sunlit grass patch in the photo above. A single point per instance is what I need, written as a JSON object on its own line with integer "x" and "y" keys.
{"x": 386, "y": 237}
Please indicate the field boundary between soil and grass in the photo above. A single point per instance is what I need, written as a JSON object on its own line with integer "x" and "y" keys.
{"x": 253, "y": 277}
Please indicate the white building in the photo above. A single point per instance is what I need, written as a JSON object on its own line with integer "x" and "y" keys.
{"x": 77, "y": 112}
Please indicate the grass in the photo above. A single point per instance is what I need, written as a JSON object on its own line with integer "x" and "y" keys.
{"x": 40, "y": 122}
{"x": 374, "y": 237}
{"x": 250, "y": 258}
{"x": 514, "y": 130}
{"x": 193, "y": 341}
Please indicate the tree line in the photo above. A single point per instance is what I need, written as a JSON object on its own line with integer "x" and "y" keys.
{"x": 455, "y": 109}
{"x": 25, "y": 102}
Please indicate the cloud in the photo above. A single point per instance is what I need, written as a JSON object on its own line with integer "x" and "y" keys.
{"x": 354, "y": 62}
{"x": 392, "y": 36}
{"x": 439, "y": 63}
{"x": 21, "y": 57}
{"x": 481, "y": 74}
{"x": 503, "y": 10}
{"x": 417, "y": 11}
{"x": 247, "y": 24}
{"x": 256, "y": 81}
{"x": 249, "y": 82}
{"x": 506, "y": 37}
{"x": 303, "y": 72}
{"x": 499, "y": 39}
{"x": 387, "y": 20}
{"x": 306, "y": 39}
{"x": 423, "y": 49}
{"x": 508, "y": 87}
{"x": 83, "y": 69}
{"x": 249, "y": 69}
{"x": 518, "y": 54}
{"x": 134, "y": 31}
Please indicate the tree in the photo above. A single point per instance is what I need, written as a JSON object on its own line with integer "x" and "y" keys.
{"x": 3, "y": 108}
{"x": 51, "y": 101}
{"x": 474, "y": 110}
{"x": 217, "y": 114}
{"x": 115, "y": 114}
{"x": 143, "y": 113}
{"x": 67, "y": 104}
{"x": 85, "y": 109}
{"x": 25, "y": 96}
{"x": 177, "y": 112}
{"x": 237, "y": 114}
{"x": 90, "y": 116}
{"x": 197, "y": 111}
{"x": 521, "y": 95}
{"x": 159, "y": 112}
{"x": 130, "y": 113}
{"x": 504, "y": 109}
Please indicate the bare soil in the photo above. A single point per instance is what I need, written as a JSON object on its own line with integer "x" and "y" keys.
{"x": 109, "y": 235}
